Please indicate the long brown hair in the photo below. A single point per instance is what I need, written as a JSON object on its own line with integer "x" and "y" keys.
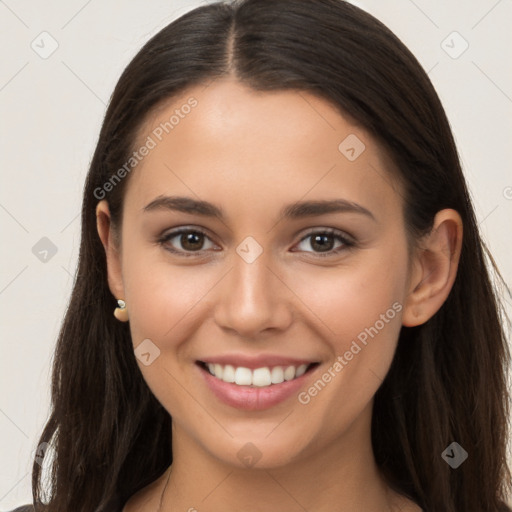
{"x": 447, "y": 382}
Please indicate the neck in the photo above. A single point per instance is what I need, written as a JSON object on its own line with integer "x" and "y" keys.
{"x": 339, "y": 475}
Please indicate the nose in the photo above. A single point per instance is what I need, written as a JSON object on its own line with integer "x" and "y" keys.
{"x": 253, "y": 300}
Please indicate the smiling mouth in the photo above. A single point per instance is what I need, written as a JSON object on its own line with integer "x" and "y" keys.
{"x": 259, "y": 377}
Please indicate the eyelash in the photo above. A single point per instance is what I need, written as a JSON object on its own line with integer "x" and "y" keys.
{"x": 347, "y": 243}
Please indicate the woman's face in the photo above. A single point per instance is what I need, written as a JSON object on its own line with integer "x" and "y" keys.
{"x": 262, "y": 231}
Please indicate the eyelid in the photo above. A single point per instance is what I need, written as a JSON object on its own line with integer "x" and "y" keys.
{"x": 329, "y": 231}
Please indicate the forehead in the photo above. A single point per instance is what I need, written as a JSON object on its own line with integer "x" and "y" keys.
{"x": 228, "y": 142}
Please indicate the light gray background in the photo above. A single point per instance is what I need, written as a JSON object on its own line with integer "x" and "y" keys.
{"x": 50, "y": 114}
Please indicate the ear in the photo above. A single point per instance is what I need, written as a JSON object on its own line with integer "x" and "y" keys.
{"x": 434, "y": 268}
{"x": 110, "y": 244}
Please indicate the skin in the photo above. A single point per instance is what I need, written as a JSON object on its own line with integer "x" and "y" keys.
{"x": 251, "y": 153}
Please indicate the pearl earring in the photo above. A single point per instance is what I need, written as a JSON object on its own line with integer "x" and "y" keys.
{"x": 121, "y": 313}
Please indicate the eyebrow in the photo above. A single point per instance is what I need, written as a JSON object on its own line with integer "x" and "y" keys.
{"x": 296, "y": 210}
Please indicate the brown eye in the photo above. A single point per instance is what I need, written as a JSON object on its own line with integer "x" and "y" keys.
{"x": 186, "y": 241}
{"x": 325, "y": 243}
{"x": 192, "y": 241}
{"x": 322, "y": 243}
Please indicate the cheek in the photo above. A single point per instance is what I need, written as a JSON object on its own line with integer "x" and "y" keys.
{"x": 165, "y": 302}
{"x": 162, "y": 298}
{"x": 353, "y": 298}
{"x": 166, "y": 306}
{"x": 361, "y": 306}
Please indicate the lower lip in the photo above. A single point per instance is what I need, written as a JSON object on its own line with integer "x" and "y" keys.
{"x": 253, "y": 398}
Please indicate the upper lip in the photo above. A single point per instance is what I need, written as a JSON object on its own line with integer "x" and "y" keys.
{"x": 253, "y": 362}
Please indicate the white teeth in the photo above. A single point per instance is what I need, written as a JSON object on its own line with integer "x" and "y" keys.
{"x": 259, "y": 377}
{"x": 277, "y": 375}
{"x": 301, "y": 370}
{"x": 289, "y": 373}
{"x": 243, "y": 376}
{"x": 229, "y": 374}
{"x": 219, "y": 370}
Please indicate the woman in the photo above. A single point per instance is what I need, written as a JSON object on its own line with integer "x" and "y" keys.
{"x": 303, "y": 318}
